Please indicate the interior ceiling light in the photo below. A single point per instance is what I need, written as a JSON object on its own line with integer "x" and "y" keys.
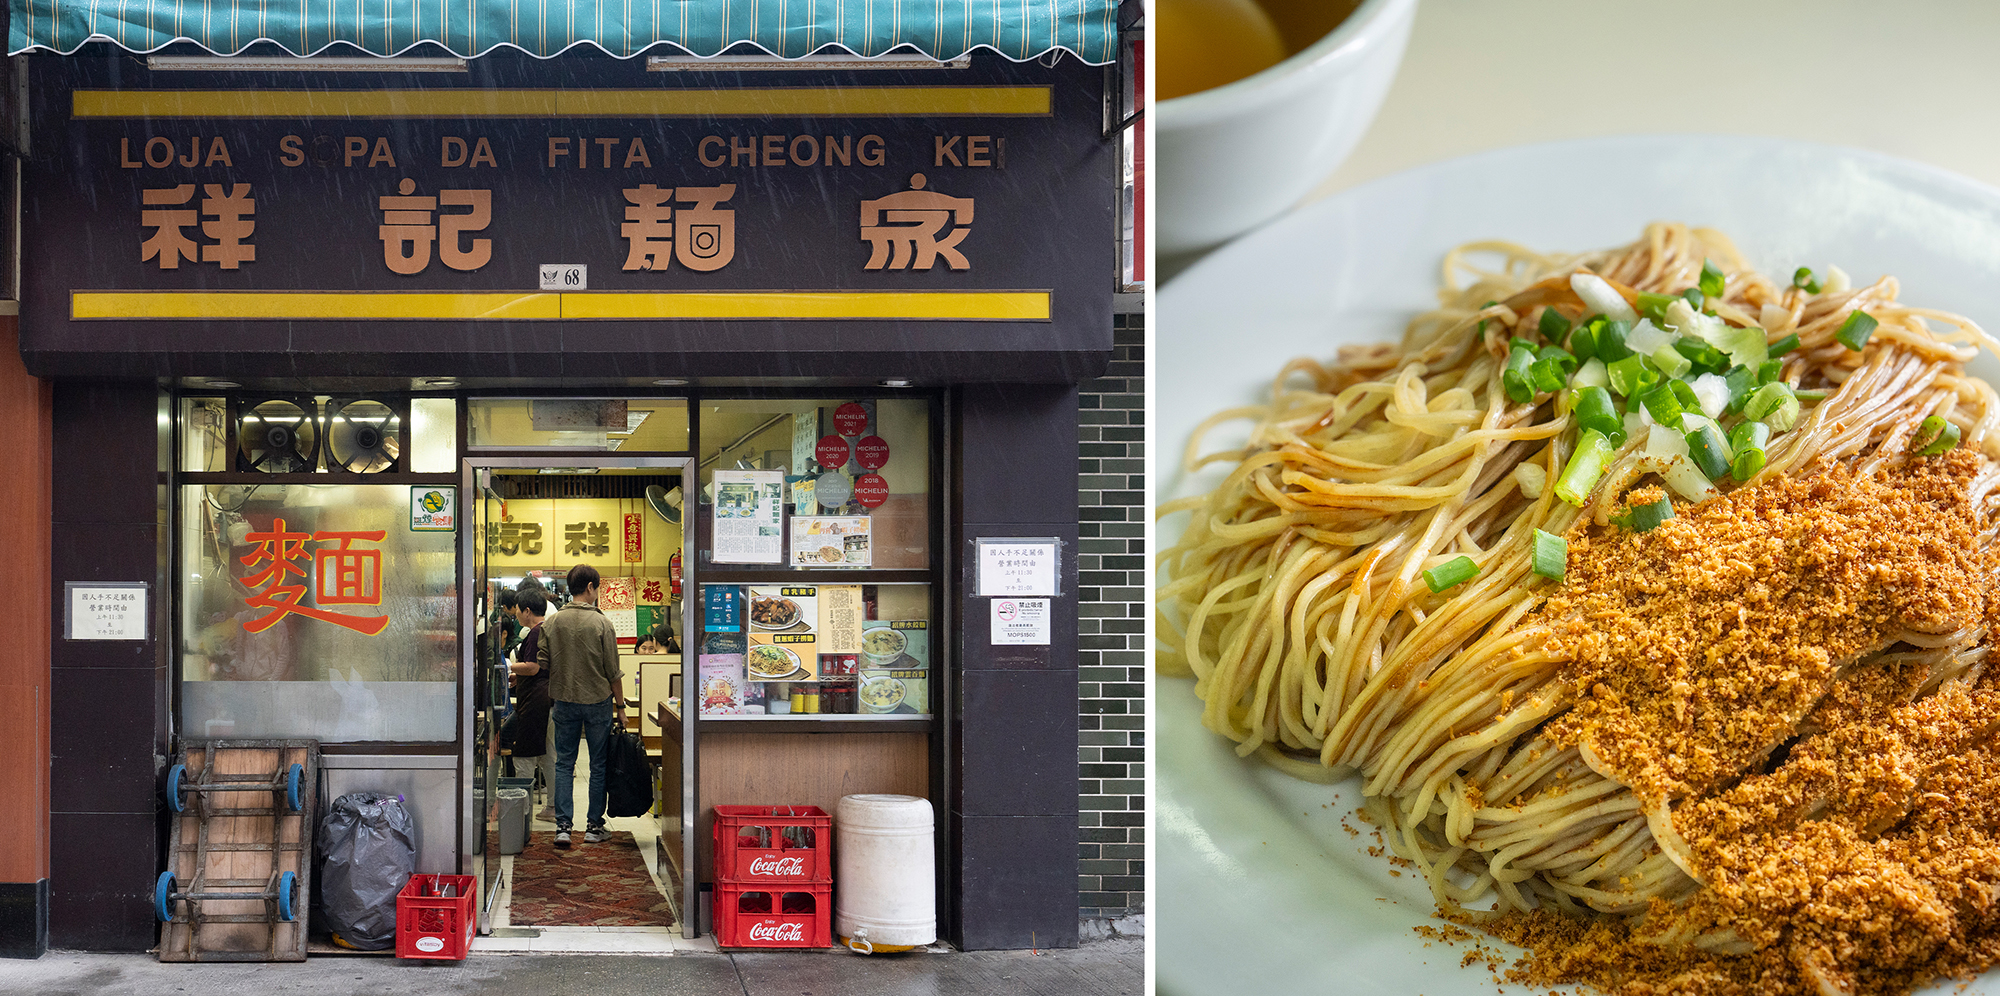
{"x": 567, "y": 470}
{"x": 437, "y": 382}
{"x": 224, "y": 384}
{"x": 670, "y": 381}
{"x": 896, "y": 382}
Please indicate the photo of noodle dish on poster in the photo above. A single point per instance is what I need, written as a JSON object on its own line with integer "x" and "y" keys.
{"x": 1281, "y": 869}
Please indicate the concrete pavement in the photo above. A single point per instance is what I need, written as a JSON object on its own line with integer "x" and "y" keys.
{"x": 1114, "y": 967}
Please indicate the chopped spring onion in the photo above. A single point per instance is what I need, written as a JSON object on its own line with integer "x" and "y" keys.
{"x": 1586, "y": 465}
{"x": 1836, "y": 280}
{"x": 1711, "y": 280}
{"x": 1654, "y": 306}
{"x": 1631, "y": 375}
{"x": 1746, "y": 464}
{"x": 1745, "y": 346}
{"x": 1770, "y": 371}
{"x": 1646, "y": 518}
{"x": 1693, "y": 296}
{"x": 1668, "y": 402}
{"x": 1711, "y": 394}
{"x": 1785, "y": 345}
{"x": 1647, "y": 338}
{"x": 1741, "y": 382}
{"x": 1515, "y": 377}
{"x": 1600, "y": 297}
{"x": 1551, "y": 555}
{"x": 1548, "y": 375}
{"x": 1802, "y": 278}
{"x": 1748, "y": 436}
{"x": 1671, "y": 362}
{"x": 1610, "y": 339}
{"x": 1703, "y": 357}
{"x": 1746, "y": 449}
{"x": 1775, "y": 405}
{"x": 1709, "y": 451}
{"x": 1595, "y": 410}
{"x": 1553, "y": 326}
{"x": 1531, "y": 479}
{"x": 1452, "y": 572}
{"x": 1591, "y": 374}
{"x": 1854, "y": 332}
{"x": 1934, "y": 436}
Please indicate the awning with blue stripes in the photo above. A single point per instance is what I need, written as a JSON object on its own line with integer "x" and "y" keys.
{"x": 791, "y": 29}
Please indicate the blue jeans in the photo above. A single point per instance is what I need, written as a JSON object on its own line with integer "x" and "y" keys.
{"x": 593, "y": 721}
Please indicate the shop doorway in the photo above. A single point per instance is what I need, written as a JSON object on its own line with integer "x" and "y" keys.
{"x": 532, "y": 518}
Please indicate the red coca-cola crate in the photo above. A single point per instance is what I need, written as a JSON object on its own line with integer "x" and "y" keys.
{"x": 761, "y": 916}
{"x": 434, "y": 917}
{"x": 773, "y": 845}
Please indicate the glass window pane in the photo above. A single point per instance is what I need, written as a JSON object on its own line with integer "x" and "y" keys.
{"x": 433, "y": 435}
{"x": 811, "y": 651}
{"x": 635, "y": 425}
{"x": 315, "y": 611}
{"x": 204, "y": 434}
{"x": 857, "y": 476}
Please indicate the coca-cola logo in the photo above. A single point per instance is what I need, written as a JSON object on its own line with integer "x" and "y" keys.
{"x": 770, "y": 865}
{"x": 767, "y": 931}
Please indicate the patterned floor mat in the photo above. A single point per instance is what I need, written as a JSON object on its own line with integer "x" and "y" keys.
{"x": 589, "y": 885}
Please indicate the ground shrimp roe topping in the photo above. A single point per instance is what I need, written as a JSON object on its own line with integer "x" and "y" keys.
{"x": 1698, "y": 647}
{"x": 1843, "y": 817}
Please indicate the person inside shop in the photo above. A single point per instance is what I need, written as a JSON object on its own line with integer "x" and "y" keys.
{"x": 526, "y": 732}
{"x": 579, "y": 649}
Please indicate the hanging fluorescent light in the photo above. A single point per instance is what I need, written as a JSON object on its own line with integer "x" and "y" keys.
{"x": 315, "y": 64}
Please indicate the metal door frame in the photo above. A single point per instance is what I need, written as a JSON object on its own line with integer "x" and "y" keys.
{"x": 470, "y": 468}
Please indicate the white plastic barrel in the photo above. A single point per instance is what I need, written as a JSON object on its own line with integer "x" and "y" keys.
{"x": 885, "y": 868}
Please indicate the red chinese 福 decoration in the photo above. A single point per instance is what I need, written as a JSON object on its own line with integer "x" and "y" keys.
{"x": 341, "y": 575}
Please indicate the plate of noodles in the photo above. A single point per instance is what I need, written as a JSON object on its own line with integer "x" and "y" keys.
{"x": 1613, "y": 569}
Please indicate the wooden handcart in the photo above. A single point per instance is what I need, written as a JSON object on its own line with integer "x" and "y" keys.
{"x": 238, "y": 878}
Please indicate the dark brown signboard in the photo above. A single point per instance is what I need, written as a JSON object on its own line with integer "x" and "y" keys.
{"x": 579, "y": 218}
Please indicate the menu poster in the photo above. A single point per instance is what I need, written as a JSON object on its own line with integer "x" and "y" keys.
{"x": 722, "y": 687}
{"x": 749, "y": 517}
{"x": 841, "y": 614}
{"x": 831, "y": 541}
{"x": 784, "y": 639}
{"x": 895, "y": 667}
{"x": 805, "y": 436}
{"x": 721, "y": 609}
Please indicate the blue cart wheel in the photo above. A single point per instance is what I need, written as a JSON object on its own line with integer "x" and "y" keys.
{"x": 174, "y": 788}
{"x": 292, "y": 786}
{"x": 163, "y": 892}
{"x": 287, "y": 884}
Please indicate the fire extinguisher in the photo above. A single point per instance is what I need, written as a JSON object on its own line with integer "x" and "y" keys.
{"x": 674, "y": 573}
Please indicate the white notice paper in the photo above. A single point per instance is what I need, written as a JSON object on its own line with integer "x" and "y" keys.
{"x": 105, "y": 611}
{"x": 1020, "y": 622}
{"x": 1024, "y": 567}
{"x": 749, "y": 516}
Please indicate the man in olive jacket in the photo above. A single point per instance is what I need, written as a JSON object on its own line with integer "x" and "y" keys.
{"x": 580, "y": 652}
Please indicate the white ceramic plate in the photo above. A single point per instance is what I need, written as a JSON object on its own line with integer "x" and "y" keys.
{"x": 1258, "y": 886}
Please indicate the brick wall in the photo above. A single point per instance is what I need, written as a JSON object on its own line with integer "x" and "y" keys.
{"x": 1111, "y": 682}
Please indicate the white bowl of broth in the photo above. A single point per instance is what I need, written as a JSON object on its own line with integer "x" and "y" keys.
{"x": 882, "y": 693}
{"x": 883, "y": 645}
{"x": 1258, "y": 101}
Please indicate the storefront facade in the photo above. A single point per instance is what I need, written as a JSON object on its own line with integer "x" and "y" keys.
{"x": 327, "y": 358}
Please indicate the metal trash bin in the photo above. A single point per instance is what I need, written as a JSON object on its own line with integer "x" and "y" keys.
{"x": 513, "y": 820}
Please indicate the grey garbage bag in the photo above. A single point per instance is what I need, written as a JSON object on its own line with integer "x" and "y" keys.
{"x": 367, "y": 850}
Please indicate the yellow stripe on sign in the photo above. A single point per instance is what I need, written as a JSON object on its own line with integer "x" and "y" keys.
{"x": 1008, "y": 306}
{"x": 1004, "y": 306}
{"x": 266, "y": 306}
{"x": 934, "y": 101}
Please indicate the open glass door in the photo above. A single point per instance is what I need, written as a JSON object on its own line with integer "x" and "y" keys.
{"x": 488, "y": 682}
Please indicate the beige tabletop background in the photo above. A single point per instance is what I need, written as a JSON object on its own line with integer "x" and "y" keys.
{"x": 1917, "y": 79}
